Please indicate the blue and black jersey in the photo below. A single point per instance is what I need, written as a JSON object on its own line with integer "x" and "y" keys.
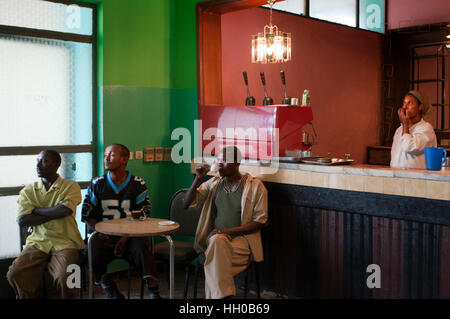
{"x": 106, "y": 201}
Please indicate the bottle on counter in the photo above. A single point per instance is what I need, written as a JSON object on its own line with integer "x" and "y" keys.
{"x": 306, "y": 100}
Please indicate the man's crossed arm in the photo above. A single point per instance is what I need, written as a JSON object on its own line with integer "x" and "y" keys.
{"x": 42, "y": 215}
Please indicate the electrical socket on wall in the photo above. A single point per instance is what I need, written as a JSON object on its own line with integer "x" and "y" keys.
{"x": 139, "y": 154}
{"x": 131, "y": 156}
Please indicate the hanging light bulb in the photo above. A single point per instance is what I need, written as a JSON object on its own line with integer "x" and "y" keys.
{"x": 272, "y": 46}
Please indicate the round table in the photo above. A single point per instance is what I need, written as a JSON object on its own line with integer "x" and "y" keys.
{"x": 127, "y": 227}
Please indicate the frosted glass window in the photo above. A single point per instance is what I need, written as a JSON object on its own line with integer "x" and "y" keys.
{"x": 45, "y": 15}
{"x": 342, "y": 11}
{"x": 46, "y": 98}
{"x": 371, "y": 15}
{"x": 21, "y": 169}
{"x": 45, "y": 92}
{"x": 9, "y": 229}
{"x": 292, "y": 6}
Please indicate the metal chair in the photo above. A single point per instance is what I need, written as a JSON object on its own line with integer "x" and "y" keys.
{"x": 184, "y": 251}
{"x": 253, "y": 265}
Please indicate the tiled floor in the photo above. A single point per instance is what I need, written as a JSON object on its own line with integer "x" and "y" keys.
{"x": 121, "y": 279}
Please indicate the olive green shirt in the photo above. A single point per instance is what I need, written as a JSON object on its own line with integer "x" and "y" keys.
{"x": 228, "y": 207}
{"x": 60, "y": 233}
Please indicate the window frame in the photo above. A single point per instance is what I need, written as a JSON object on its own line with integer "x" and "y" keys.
{"x": 307, "y": 14}
{"x": 62, "y": 36}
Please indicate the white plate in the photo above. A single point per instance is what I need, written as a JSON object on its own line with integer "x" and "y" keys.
{"x": 166, "y": 223}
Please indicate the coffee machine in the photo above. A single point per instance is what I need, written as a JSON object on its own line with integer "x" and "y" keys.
{"x": 277, "y": 129}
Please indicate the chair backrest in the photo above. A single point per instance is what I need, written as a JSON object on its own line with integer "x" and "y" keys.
{"x": 188, "y": 219}
{"x": 24, "y": 232}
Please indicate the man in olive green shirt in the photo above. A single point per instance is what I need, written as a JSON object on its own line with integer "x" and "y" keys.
{"x": 234, "y": 210}
{"x": 49, "y": 206}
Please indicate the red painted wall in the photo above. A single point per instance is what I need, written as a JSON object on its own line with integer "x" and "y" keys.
{"x": 406, "y": 13}
{"x": 341, "y": 67}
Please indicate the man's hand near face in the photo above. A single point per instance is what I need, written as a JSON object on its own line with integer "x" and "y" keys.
{"x": 405, "y": 119}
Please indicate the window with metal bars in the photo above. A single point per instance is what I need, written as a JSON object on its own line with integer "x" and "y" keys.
{"x": 430, "y": 66}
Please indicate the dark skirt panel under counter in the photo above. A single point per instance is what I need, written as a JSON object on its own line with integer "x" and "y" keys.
{"x": 319, "y": 243}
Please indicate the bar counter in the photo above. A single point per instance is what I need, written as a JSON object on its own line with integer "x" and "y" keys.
{"x": 327, "y": 224}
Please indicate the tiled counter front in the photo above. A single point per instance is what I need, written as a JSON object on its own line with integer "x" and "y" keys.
{"x": 327, "y": 224}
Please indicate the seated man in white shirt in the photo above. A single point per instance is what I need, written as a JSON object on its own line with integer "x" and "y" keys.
{"x": 414, "y": 134}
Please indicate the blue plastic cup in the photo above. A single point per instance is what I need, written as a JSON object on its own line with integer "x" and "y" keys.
{"x": 434, "y": 158}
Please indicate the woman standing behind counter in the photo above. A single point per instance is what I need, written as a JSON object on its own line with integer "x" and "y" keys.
{"x": 414, "y": 134}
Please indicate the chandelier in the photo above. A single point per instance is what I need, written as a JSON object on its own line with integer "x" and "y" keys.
{"x": 273, "y": 46}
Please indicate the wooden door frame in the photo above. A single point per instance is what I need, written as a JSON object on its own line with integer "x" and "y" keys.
{"x": 209, "y": 46}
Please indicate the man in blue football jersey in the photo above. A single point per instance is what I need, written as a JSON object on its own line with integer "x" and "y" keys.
{"x": 108, "y": 197}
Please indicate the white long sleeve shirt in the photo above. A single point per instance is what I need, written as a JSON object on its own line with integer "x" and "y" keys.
{"x": 408, "y": 149}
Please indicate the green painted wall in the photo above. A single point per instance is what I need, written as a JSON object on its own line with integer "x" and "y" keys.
{"x": 147, "y": 84}
{"x": 184, "y": 53}
{"x": 137, "y": 43}
{"x": 184, "y": 78}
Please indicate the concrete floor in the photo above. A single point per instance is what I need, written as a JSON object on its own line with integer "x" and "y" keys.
{"x": 121, "y": 279}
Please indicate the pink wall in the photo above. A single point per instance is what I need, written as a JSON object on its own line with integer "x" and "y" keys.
{"x": 341, "y": 67}
{"x": 405, "y": 13}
